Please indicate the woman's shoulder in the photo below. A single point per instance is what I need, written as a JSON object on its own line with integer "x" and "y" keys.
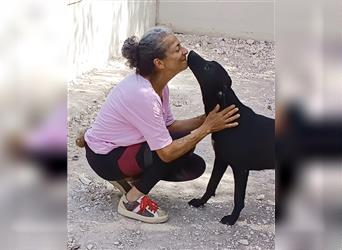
{"x": 135, "y": 88}
{"x": 133, "y": 83}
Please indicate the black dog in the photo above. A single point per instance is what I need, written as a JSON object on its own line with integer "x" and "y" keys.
{"x": 249, "y": 146}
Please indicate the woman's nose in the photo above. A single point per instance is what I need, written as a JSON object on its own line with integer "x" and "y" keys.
{"x": 185, "y": 51}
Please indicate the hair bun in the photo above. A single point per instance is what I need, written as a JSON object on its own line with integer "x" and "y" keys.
{"x": 129, "y": 51}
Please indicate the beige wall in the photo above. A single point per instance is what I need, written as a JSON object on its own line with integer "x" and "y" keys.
{"x": 239, "y": 18}
{"x": 98, "y": 29}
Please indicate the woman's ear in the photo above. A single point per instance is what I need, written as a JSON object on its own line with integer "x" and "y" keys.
{"x": 159, "y": 64}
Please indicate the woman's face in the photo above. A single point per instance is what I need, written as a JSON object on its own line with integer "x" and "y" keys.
{"x": 175, "y": 60}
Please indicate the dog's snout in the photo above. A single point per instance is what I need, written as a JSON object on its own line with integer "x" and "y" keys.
{"x": 192, "y": 56}
{"x": 192, "y": 53}
{"x": 189, "y": 58}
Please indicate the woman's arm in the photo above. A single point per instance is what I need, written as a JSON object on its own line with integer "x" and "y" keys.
{"x": 215, "y": 121}
{"x": 186, "y": 126}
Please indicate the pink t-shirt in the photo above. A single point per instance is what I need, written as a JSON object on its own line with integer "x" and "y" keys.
{"x": 132, "y": 113}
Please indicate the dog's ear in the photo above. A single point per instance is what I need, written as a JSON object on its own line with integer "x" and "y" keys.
{"x": 222, "y": 96}
{"x": 228, "y": 83}
{"x": 222, "y": 99}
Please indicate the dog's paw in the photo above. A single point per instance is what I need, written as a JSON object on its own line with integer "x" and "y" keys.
{"x": 228, "y": 220}
{"x": 196, "y": 202}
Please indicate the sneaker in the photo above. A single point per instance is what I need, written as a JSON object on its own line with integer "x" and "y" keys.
{"x": 122, "y": 185}
{"x": 144, "y": 209}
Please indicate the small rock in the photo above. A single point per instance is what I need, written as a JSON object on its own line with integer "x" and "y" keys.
{"x": 116, "y": 243}
{"x": 72, "y": 245}
{"x": 197, "y": 45}
{"x": 75, "y": 246}
{"x": 260, "y": 197}
{"x": 244, "y": 242}
{"x": 219, "y": 51}
{"x": 250, "y": 41}
{"x": 75, "y": 158}
{"x": 84, "y": 180}
{"x": 90, "y": 246}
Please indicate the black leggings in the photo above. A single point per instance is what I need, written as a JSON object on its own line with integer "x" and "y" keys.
{"x": 138, "y": 161}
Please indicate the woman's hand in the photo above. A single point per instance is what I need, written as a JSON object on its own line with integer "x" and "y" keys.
{"x": 217, "y": 121}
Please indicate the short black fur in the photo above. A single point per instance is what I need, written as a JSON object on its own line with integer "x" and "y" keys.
{"x": 249, "y": 146}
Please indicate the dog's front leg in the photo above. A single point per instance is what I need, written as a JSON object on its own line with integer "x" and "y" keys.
{"x": 216, "y": 176}
{"x": 240, "y": 179}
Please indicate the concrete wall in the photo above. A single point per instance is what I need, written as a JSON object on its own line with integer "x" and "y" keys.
{"x": 98, "y": 29}
{"x": 239, "y": 18}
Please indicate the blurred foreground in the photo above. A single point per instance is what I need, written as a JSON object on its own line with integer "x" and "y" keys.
{"x": 33, "y": 127}
{"x": 309, "y": 125}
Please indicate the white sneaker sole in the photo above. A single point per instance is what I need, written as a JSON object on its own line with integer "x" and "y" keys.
{"x": 153, "y": 220}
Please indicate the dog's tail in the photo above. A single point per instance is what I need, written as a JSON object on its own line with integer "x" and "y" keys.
{"x": 80, "y": 139}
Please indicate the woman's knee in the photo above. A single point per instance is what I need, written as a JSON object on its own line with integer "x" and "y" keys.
{"x": 199, "y": 162}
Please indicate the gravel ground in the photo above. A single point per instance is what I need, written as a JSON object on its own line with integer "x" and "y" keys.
{"x": 93, "y": 221}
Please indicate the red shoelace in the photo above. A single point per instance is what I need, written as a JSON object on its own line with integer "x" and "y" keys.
{"x": 146, "y": 202}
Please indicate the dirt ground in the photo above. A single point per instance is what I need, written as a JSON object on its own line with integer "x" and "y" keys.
{"x": 93, "y": 221}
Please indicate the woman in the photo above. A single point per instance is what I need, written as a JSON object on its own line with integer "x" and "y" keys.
{"x": 135, "y": 134}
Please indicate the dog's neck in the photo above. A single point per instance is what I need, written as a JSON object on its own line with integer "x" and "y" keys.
{"x": 231, "y": 98}
{"x": 225, "y": 97}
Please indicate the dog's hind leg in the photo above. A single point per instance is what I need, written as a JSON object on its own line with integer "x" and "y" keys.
{"x": 240, "y": 179}
{"x": 216, "y": 176}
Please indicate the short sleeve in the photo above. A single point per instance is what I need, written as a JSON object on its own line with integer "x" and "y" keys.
{"x": 146, "y": 115}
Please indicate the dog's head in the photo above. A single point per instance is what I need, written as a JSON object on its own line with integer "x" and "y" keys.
{"x": 213, "y": 79}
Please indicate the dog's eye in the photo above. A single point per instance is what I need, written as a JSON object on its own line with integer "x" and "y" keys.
{"x": 206, "y": 67}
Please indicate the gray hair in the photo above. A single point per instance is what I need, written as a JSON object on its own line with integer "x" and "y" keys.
{"x": 140, "y": 54}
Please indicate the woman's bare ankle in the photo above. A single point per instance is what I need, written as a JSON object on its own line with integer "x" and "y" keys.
{"x": 133, "y": 194}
